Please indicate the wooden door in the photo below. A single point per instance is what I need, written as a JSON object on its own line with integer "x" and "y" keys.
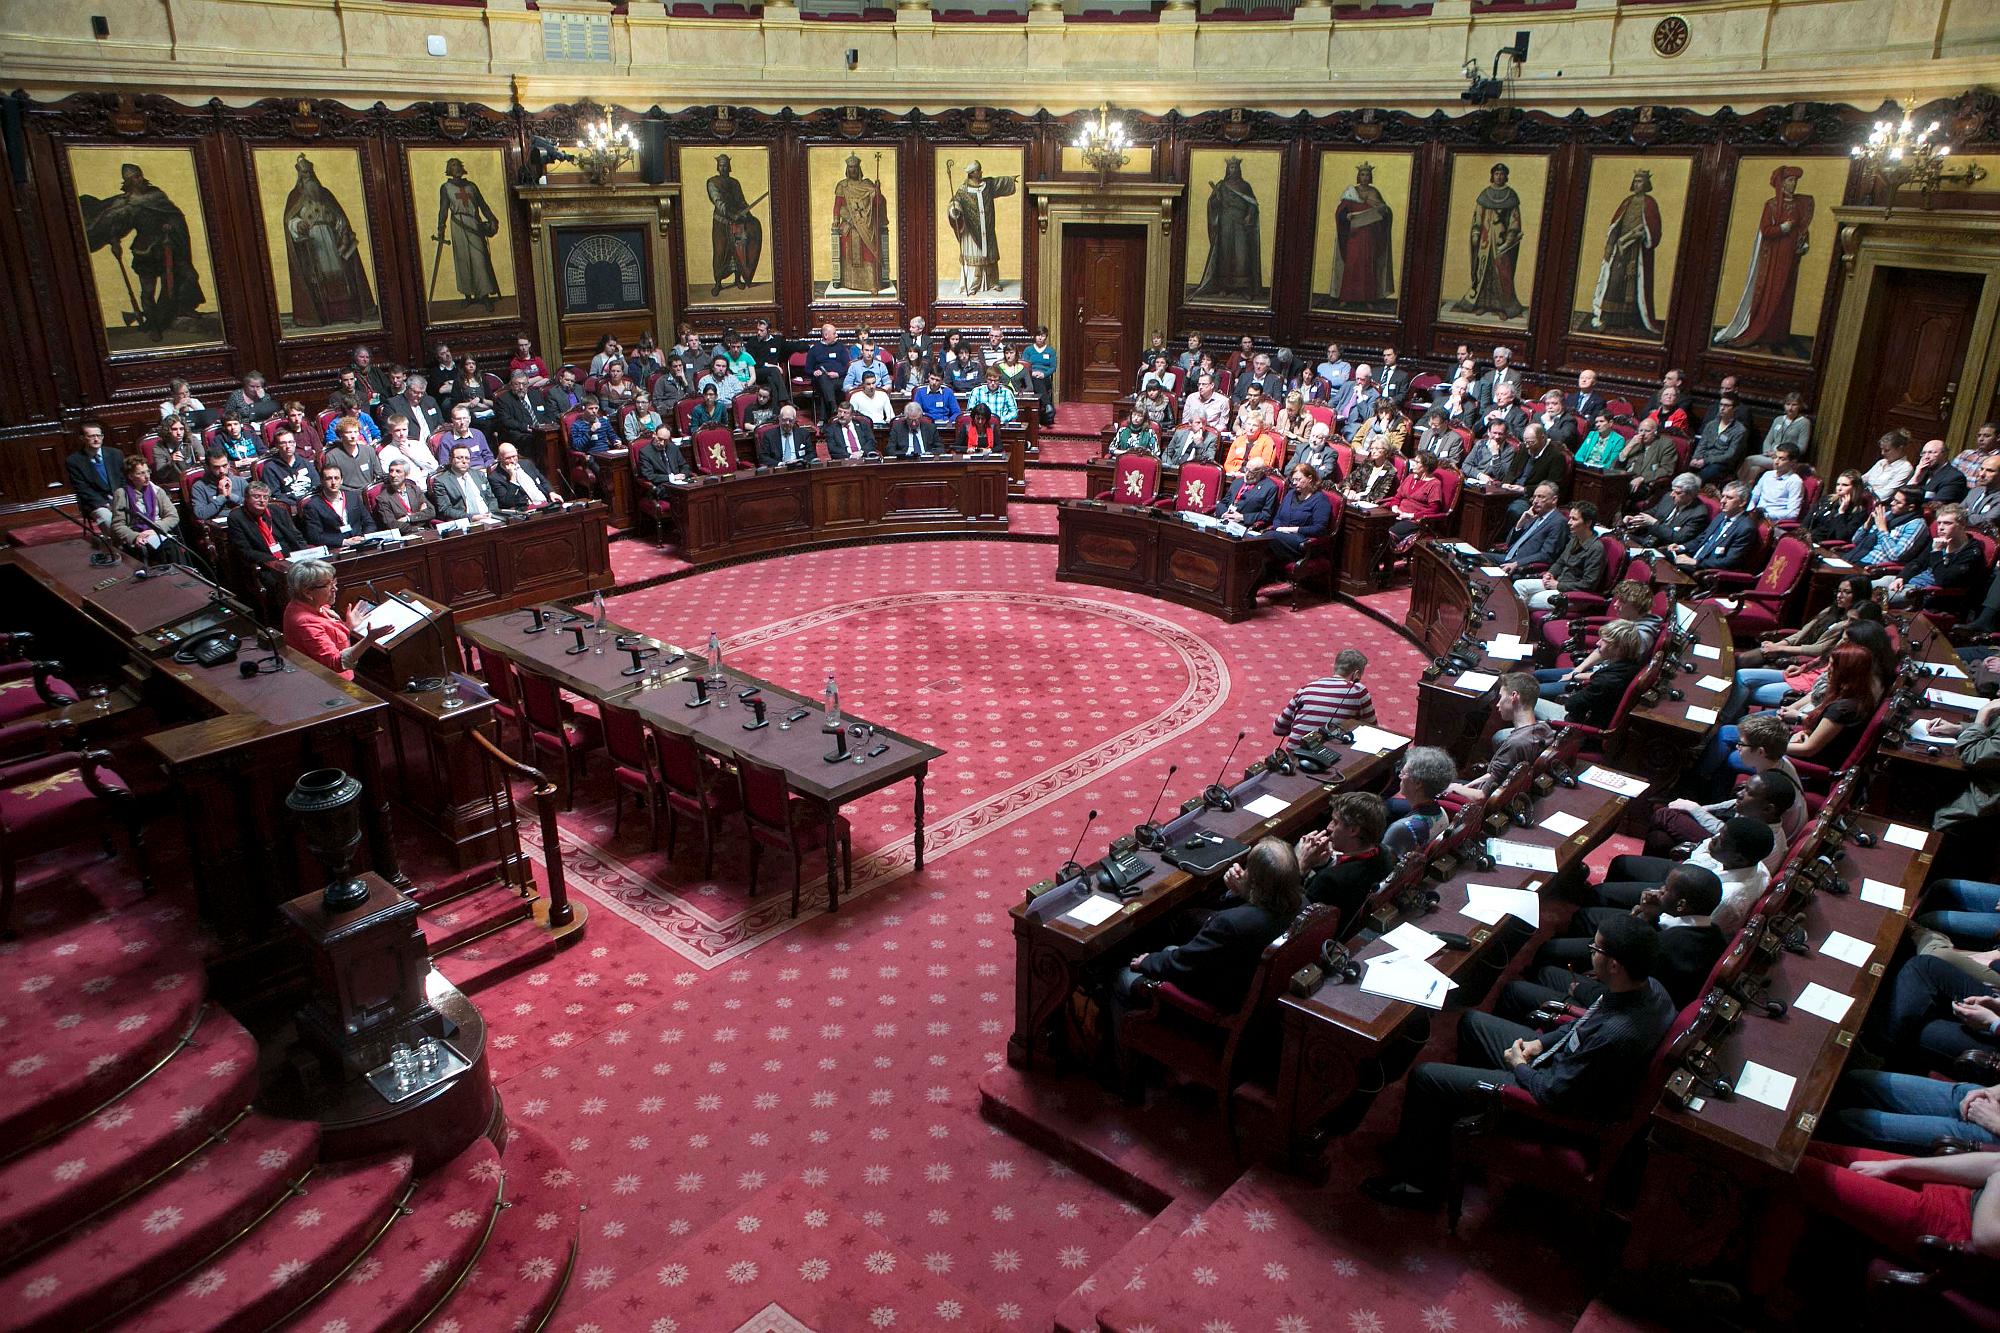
{"x": 1911, "y": 362}
{"x": 1104, "y": 303}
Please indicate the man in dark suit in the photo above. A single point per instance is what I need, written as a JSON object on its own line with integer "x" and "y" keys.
{"x": 336, "y": 513}
{"x": 1503, "y": 372}
{"x": 1506, "y": 409}
{"x": 1252, "y": 499}
{"x": 1536, "y": 462}
{"x": 402, "y": 506}
{"x": 1940, "y": 481}
{"x": 523, "y": 412}
{"x": 784, "y": 441}
{"x": 659, "y": 461}
{"x": 460, "y": 490}
{"x": 95, "y": 470}
{"x": 1393, "y": 379}
{"x": 1261, "y": 375}
{"x": 1355, "y": 402}
{"x": 422, "y": 409}
{"x": 826, "y": 364}
{"x": 1586, "y": 402}
{"x": 1679, "y": 518}
{"x": 914, "y": 434}
{"x": 916, "y": 337}
{"x": 1950, "y": 562}
{"x": 1217, "y": 964}
{"x": 847, "y": 436}
{"x": 1554, "y": 418}
{"x": 1725, "y": 543}
{"x": 1537, "y": 537}
{"x": 262, "y": 535}
{"x": 518, "y": 484}
{"x": 1722, "y": 445}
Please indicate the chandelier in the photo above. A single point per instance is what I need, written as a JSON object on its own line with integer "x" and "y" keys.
{"x": 1897, "y": 153}
{"x": 604, "y": 148}
{"x": 1103, "y": 144}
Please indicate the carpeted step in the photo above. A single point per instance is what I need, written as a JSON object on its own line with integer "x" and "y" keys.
{"x": 1078, "y": 1313}
{"x": 457, "y": 885}
{"x": 162, "y": 1233}
{"x": 1031, "y": 520}
{"x": 201, "y": 1090}
{"x": 473, "y": 917}
{"x": 289, "y": 1258}
{"x": 486, "y": 962}
{"x": 522, "y": 1272}
{"x": 1051, "y": 484}
{"x": 423, "y": 1256}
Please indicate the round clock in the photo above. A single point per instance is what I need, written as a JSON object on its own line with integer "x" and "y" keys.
{"x": 1670, "y": 36}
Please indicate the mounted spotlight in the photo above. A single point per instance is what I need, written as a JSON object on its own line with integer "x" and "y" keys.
{"x": 1481, "y": 89}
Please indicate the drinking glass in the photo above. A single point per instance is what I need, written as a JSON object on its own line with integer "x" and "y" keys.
{"x": 859, "y": 734}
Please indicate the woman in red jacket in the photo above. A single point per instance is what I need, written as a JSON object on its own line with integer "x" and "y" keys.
{"x": 314, "y": 628}
{"x": 1419, "y": 499}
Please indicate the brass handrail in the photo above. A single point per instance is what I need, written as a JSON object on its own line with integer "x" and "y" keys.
{"x": 560, "y": 912}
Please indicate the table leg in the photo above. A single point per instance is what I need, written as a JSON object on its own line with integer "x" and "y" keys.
{"x": 1043, "y": 980}
{"x": 832, "y": 862}
{"x": 921, "y": 774}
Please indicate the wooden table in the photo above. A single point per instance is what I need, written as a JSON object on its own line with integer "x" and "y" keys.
{"x": 1915, "y": 779}
{"x": 560, "y": 552}
{"x": 1363, "y": 532}
{"x": 1443, "y": 596}
{"x": 778, "y": 509}
{"x": 1482, "y": 513}
{"x": 1659, "y": 741}
{"x": 1151, "y": 551}
{"x": 1608, "y": 489}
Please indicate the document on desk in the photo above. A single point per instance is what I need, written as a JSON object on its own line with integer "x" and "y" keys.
{"x": 1824, "y": 1002}
{"x": 1711, "y": 683}
{"x": 1835, "y": 562}
{"x": 396, "y": 617}
{"x": 1493, "y": 571}
{"x": 1846, "y": 949}
{"x": 1374, "y": 740}
{"x": 1902, "y": 835}
{"x": 1522, "y": 855}
{"x": 1487, "y": 904}
{"x": 1413, "y": 940}
{"x": 1882, "y": 895}
{"x": 1092, "y": 911}
{"x": 1398, "y": 976}
{"x": 1619, "y": 784}
{"x": 1760, "y": 1083}
{"x": 1562, "y": 823}
{"x": 1953, "y": 699}
{"x": 1463, "y": 549}
{"x": 1477, "y": 681}
{"x": 1946, "y": 670}
{"x": 1267, "y": 805}
{"x": 1709, "y": 651}
{"x": 1696, "y": 713}
{"x": 1510, "y": 652}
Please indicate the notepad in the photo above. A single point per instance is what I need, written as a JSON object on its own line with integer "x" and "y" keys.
{"x": 1846, "y": 949}
{"x": 1486, "y": 904}
{"x": 1268, "y": 805}
{"x": 1947, "y": 670}
{"x": 1835, "y": 562}
{"x": 1374, "y": 740}
{"x": 1413, "y": 940}
{"x": 1953, "y": 699}
{"x": 1761, "y": 1083}
{"x": 1882, "y": 895}
{"x": 1696, "y": 713}
{"x": 1709, "y": 651}
{"x": 1824, "y": 1002}
{"x": 1605, "y": 779}
{"x": 1493, "y": 571}
{"x": 1902, "y": 835}
{"x": 1464, "y": 549}
{"x": 1398, "y": 976}
{"x": 1092, "y": 911}
{"x": 1521, "y": 855}
{"x": 1510, "y": 652}
{"x": 1562, "y": 823}
{"x": 1479, "y": 681}
{"x": 1711, "y": 683}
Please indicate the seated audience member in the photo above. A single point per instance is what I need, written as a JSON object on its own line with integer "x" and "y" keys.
{"x": 1521, "y": 739}
{"x": 1255, "y": 443}
{"x": 1250, "y": 499}
{"x": 1937, "y": 1011}
{"x": 461, "y": 433}
{"x": 610, "y": 352}
{"x": 938, "y": 402}
{"x": 710, "y": 413}
{"x": 1603, "y": 446}
{"x": 289, "y": 477}
{"x": 263, "y": 535}
{"x": 426, "y": 417}
{"x": 914, "y": 435}
{"x": 1740, "y": 856}
{"x": 217, "y": 490}
{"x": 1419, "y": 500}
{"x": 1726, "y": 542}
{"x": 1580, "y": 567}
{"x": 1305, "y": 514}
{"x": 1041, "y": 359}
{"x": 522, "y": 412}
{"x": 659, "y": 462}
{"x": 1556, "y": 423}
{"x": 869, "y": 359}
{"x": 1536, "y": 463}
{"x": 1505, "y": 411}
{"x": 181, "y": 402}
{"x": 518, "y": 484}
{"x": 1651, "y": 456}
{"x": 1985, "y": 444}
{"x": 1491, "y": 457}
{"x": 1374, "y": 477}
{"x": 1339, "y": 700}
{"x": 1155, "y": 370}
{"x": 174, "y": 451}
{"x": 668, "y": 388}
{"x": 1355, "y": 405}
{"x": 1217, "y": 964}
{"x": 763, "y": 409}
{"x": 1253, "y": 406}
{"x": 250, "y": 402}
{"x": 1772, "y": 780}
{"x": 1667, "y": 411}
{"x": 1790, "y": 426}
{"x": 1136, "y": 434}
{"x": 849, "y": 437}
{"x": 785, "y": 441}
{"x": 1949, "y": 562}
{"x": 870, "y": 403}
{"x": 1503, "y": 376}
{"x": 1293, "y": 421}
{"x": 1383, "y": 425}
{"x": 1982, "y": 502}
{"x": 1722, "y": 445}
{"x": 1761, "y": 671}
{"x": 1780, "y": 494}
{"x": 964, "y": 371}
{"x": 461, "y": 490}
{"x": 1892, "y": 533}
{"x": 1594, "y": 692}
{"x": 979, "y": 433}
{"x": 1632, "y": 601}
{"x": 143, "y": 518}
{"x": 1589, "y": 1068}
{"x": 1018, "y": 379}
{"x": 1678, "y": 519}
{"x": 1334, "y": 368}
{"x": 1436, "y": 436}
{"x": 1935, "y": 478}
{"x": 237, "y": 440}
{"x": 1414, "y": 810}
{"x": 592, "y": 432}
{"x": 1319, "y": 454}
{"x": 1537, "y": 536}
{"x": 399, "y": 445}
{"x": 1909, "y": 1113}
{"x": 1204, "y": 416}
{"x": 1967, "y": 913}
{"x": 94, "y": 471}
{"x": 1260, "y": 377}
{"x": 1152, "y": 406}
{"x": 1892, "y": 470}
{"x": 335, "y": 515}
{"x": 1586, "y": 402}
{"x": 315, "y": 629}
{"x": 402, "y": 505}
{"x": 1839, "y": 515}
{"x": 1681, "y": 909}
{"x": 347, "y": 405}
{"x": 1459, "y": 402}
{"x": 467, "y": 389}
{"x": 826, "y": 367}
{"x": 359, "y": 462}
{"x": 1344, "y": 862}
{"x": 527, "y": 365}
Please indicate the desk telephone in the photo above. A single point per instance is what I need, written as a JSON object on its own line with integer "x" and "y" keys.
{"x": 209, "y": 650}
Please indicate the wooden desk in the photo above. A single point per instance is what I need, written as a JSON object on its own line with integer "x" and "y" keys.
{"x": 1335, "y": 1035}
{"x": 1150, "y": 551}
{"x": 495, "y": 567}
{"x": 615, "y": 486}
{"x": 1918, "y": 778}
{"x": 1363, "y": 532}
{"x": 1052, "y": 956}
{"x": 1097, "y": 477}
{"x": 1659, "y": 740}
{"x": 772, "y": 510}
{"x": 1442, "y": 600}
{"x": 1482, "y": 514}
{"x": 1608, "y": 489}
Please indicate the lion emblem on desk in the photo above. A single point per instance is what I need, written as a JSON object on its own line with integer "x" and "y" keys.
{"x": 1195, "y": 495}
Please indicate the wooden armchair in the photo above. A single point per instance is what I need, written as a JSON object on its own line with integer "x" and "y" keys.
{"x": 55, "y": 801}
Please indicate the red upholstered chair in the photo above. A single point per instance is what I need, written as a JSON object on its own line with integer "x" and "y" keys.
{"x": 1323, "y": 414}
{"x": 795, "y": 368}
{"x": 1200, "y": 486}
{"x": 1621, "y": 407}
{"x": 28, "y": 686}
{"x": 372, "y": 494}
{"x": 325, "y": 421}
{"x": 1809, "y": 484}
{"x": 1818, "y": 779}
{"x": 1199, "y": 1043}
{"x": 504, "y": 684}
{"x": 1731, "y": 582}
{"x": 780, "y": 820}
{"x": 1317, "y": 563}
{"x": 1763, "y": 607}
{"x": 55, "y": 801}
{"x": 693, "y": 785}
{"x": 632, "y": 767}
{"x": 1134, "y": 481}
{"x": 556, "y": 729}
{"x": 715, "y": 452}
{"x": 270, "y": 431}
{"x": 1420, "y": 390}
{"x": 1945, "y": 607}
{"x": 739, "y": 409}
{"x": 1344, "y": 453}
{"x": 1593, "y": 601}
{"x": 684, "y": 413}
{"x": 1223, "y": 379}
{"x": 1592, "y": 743}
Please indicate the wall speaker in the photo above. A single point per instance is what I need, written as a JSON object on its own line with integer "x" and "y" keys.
{"x": 652, "y": 151}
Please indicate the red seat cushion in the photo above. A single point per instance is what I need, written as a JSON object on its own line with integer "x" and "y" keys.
{"x": 57, "y": 805}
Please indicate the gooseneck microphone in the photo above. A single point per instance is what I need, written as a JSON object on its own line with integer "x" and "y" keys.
{"x": 1216, "y": 796}
{"x": 1149, "y": 834}
{"x": 1070, "y": 869}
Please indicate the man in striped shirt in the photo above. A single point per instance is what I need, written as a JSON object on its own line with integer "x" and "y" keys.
{"x": 1338, "y": 699}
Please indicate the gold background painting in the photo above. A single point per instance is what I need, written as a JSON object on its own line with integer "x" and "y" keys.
{"x": 1825, "y": 179}
{"x": 339, "y": 171}
{"x": 1138, "y": 162}
{"x": 1261, "y": 168}
{"x": 1006, "y": 216}
{"x": 1528, "y": 174}
{"x": 486, "y": 168}
{"x": 1336, "y": 174}
{"x": 1610, "y": 183}
{"x": 95, "y": 171}
{"x": 825, "y": 165}
{"x": 752, "y": 168}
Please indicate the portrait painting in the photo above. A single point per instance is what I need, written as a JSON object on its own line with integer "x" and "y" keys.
{"x": 979, "y": 222}
{"x": 316, "y": 232}
{"x": 1493, "y": 233}
{"x": 851, "y": 230}
{"x": 1777, "y": 254}
{"x": 1634, "y": 210}
{"x": 151, "y": 271}
{"x": 1232, "y": 236}
{"x": 1364, "y": 219}
{"x": 726, "y": 202}
{"x": 465, "y": 241}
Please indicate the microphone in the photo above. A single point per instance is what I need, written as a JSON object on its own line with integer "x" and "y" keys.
{"x": 1070, "y": 869}
{"x": 102, "y": 556}
{"x": 1216, "y": 796}
{"x": 1149, "y": 834}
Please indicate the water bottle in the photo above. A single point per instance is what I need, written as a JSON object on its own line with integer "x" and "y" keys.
{"x": 714, "y": 658}
{"x": 598, "y": 613}
{"x": 831, "y": 696}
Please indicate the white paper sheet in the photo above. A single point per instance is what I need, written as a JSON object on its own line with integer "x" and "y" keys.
{"x": 1920, "y": 730}
{"x": 1413, "y": 940}
{"x": 1268, "y": 805}
{"x": 1522, "y": 856}
{"x": 1709, "y": 651}
{"x": 1562, "y": 823}
{"x": 1760, "y": 1083}
{"x": 1510, "y": 652}
{"x": 1506, "y": 638}
{"x": 1092, "y": 911}
{"x": 1946, "y": 670}
{"x": 1696, "y": 713}
{"x": 1398, "y": 976}
{"x": 1824, "y": 1002}
{"x": 1487, "y": 904}
{"x": 396, "y": 616}
{"x": 1902, "y": 835}
{"x": 1493, "y": 571}
{"x": 1711, "y": 683}
{"x": 1882, "y": 895}
{"x": 1606, "y": 779}
{"x": 1846, "y": 949}
{"x": 1464, "y": 549}
{"x": 1835, "y": 562}
{"x": 1374, "y": 740}
{"x": 1479, "y": 681}
{"x": 1953, "y": 699}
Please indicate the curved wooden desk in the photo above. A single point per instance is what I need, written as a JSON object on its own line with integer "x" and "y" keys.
{"x": 1150, "y": 551}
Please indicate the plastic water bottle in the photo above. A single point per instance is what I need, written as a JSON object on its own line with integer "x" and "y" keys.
{"x": 598, "y": 612}
{"x": 714, "y": 656}
{"x": 831, "y": 696}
